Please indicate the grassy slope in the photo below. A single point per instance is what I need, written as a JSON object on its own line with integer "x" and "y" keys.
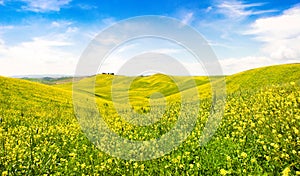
{"x": 31, "y": 91}
{"x": 40, "y": 118}
{"x": 260, "y": 77}
{"x": 255, "y": 79}
{"x": 142, "y": 88}
{"x": 32, "y": 100}
{"x": 50, "y": 80}
{"x": 37, "y": 126}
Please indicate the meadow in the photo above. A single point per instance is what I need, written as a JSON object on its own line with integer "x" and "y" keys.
{"x": 258, "y": 134}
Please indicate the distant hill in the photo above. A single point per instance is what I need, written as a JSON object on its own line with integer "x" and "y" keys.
{"x": 143, "y": 87}
{"x": 41, "y": 76}
{"x": 50, "y": 80}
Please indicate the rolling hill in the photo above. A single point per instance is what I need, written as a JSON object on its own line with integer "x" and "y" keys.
{"x": 143, "y": 87}
{"x": 258, "y": 133}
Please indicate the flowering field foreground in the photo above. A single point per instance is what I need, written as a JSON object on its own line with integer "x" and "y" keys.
{"x": 258, "y": 135}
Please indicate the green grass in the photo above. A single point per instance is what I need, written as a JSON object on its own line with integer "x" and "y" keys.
{"x": 50, "y": 80}
{"x": 260, "y": 77}
{"x": 258, "y": 135}
{"x": 141, "y": 88}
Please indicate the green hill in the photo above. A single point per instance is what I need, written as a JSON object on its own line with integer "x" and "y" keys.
{"x": 50, "y": 80}
{"x": 141, "y": 88}
{"x": 261, "y": 77}
{"x": 258, "y": 134}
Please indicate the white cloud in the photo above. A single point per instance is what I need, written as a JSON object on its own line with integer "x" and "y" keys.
{"x": 280, "y": 34}
{"x": 147, "y": 62}
{"x": 1, "y": 2}
{"x": 59, "y": 24}
{"x": 53, "y": 50}
{"x": 125, "y": 48}
{"x": 188, "y": 18}
{"x": 286, "y": 25}
{"x": 278, "y": 37}
{"x": 94, "y": 30}
{"x": 208, "y": 9}
{"x": 44, "y": 5}
{"x": 168, "y": 51}
{"x": 2, "y": 46}
{"x": 237, "y": 9}
{"x": 6, "y": 27}
{"x": 44, "y": 55}
{"x": 225, "y": 21}
{"x": 86, "y": 6}
{"x": 219, "y": 44}
{"x": 235, "y": 65}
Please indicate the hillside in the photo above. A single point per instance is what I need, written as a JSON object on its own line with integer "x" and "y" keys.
{"x": 260, "y": 77}
{"x": 141, "y": 88}
{"x": 258, "y": 134}
{"x": 50, "y": 80}
{"x": 32, "y": 105}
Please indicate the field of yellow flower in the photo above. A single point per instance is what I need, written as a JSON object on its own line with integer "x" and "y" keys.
{"x": 259, "y": 133}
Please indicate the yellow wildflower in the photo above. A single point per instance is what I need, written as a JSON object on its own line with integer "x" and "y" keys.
{"x": 135, "y": 165}
{"x": 142, "y": 167}
{"x": 228, "y": 158}
{"x": 223, "y": 172}
{"x": 4, "y": 173}
{"x": 243, "y": 154}
{"x": 253, "y": 160}
{"x": 286, "y": 171}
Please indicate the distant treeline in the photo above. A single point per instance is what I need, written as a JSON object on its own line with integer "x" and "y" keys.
{"x": 108, "y": 73}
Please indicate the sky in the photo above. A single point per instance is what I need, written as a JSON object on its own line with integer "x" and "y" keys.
{"x": 40, "y": 37}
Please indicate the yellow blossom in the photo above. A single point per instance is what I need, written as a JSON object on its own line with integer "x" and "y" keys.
{"x": 243, "y": 154}
{"x": 223, "y": 172}
{"x": 286, "y": 171}
{"x": 4, "y": 173}
{"x": 228, "y": 158}
{"x": 253, "y": 160}
{"x": 109, "y": 160}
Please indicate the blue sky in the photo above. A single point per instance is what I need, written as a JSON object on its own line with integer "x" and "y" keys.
{"x": 49, "y": 36}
